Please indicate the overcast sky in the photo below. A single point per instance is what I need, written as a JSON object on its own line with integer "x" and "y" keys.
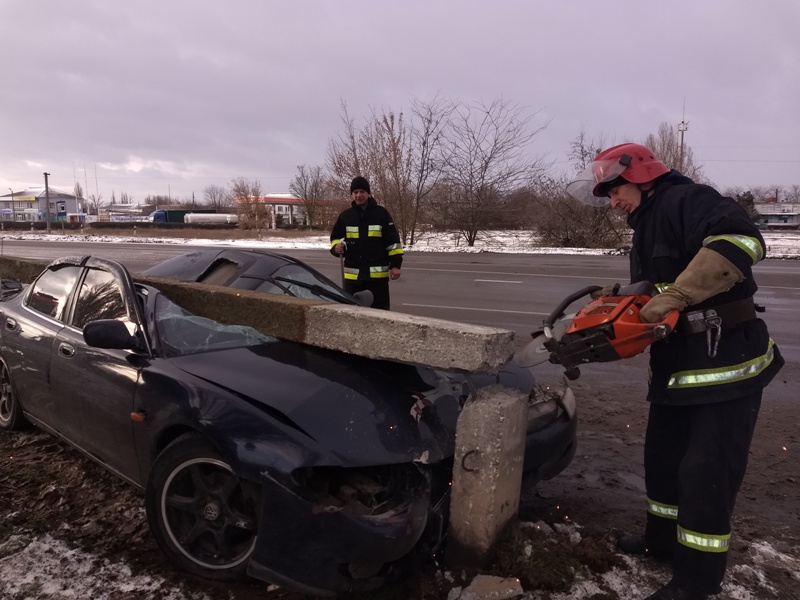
{"x": 167, "y": 97}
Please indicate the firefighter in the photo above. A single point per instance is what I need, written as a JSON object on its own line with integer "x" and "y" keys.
{"x": 706, "y": 379}
{"x": 367, "y": 238}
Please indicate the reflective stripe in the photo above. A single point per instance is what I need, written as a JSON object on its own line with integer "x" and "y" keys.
{"x": 703, "y": 542}
{"x": 374, "y": 231}
{"x": 731, "y": 374}
{"x": 747, "y": 244}
{"x": 662, "y": 286}
{"x": 394, "y": 249}
{"x": 351, "y": 232}
{"x": 378, "y": 272}
{"x": 668, "y": 511}
{"x": 350, "y": 273}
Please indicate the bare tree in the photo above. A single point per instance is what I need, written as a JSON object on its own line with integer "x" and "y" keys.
{"x": 427, "y": 137}
{"x": 95, "y": 204}
{"x": 125, "y": 198}
{"x": 792, "y": 194}
{"x": 486, "y": 149}
{"x": 400, "y": 157}
{"x": 563, "y": 222}
{"x": 253, "y": 212}
{"x": 583, "y": 150}
{"x": 78, "y": 190}
{"x": 667, "y": 147}
{"x": 344, "y": 154}
{"x": 217, "y": 197}
{"x": 311, "y": 186}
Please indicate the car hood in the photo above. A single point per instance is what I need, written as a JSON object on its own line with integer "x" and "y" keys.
{"x": 363, "y": 411}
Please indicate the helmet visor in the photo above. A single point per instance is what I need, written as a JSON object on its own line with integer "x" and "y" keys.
{"x": 582, "y": 189}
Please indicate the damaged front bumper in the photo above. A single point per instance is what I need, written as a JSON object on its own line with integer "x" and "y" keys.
{"x": 341, "y": 529}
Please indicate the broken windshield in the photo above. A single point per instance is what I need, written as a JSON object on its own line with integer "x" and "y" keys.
{"x": 180, "y": 332}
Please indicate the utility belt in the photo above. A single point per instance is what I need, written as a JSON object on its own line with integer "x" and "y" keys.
{"x": 714, "y": 320}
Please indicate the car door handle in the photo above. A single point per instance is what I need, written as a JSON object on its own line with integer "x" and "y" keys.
{"x": 66, "y": 350}
{"x": 11, "y": 324}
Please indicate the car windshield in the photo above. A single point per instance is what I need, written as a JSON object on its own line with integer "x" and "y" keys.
{"x": 181, "y": 333}
{"x": 304, "y": 284}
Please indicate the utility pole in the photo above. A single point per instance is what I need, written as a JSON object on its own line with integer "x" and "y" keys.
{"x": 13, "y": 212}
{"x": 47, "y": 199}
{"x": 682, "y": 127}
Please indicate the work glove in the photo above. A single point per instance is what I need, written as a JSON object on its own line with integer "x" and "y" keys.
{"x": 708, "y": 274}
{"x": 606, "y": 290}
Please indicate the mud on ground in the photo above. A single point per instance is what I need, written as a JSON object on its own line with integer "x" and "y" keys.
{"x": 47, "y": 487}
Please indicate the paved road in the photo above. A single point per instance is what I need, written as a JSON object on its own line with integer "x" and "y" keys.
{"x": 512, "y": 291}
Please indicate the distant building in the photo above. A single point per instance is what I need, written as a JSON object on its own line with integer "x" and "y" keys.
{"x": 30, "y": 205}
{"x": 778, "y": 215}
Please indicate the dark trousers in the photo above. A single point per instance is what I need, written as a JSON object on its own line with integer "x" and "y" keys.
{"x": 695, "y": 458}
{"x": 378, "y": 287}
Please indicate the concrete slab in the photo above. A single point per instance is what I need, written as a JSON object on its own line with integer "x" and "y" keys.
{"x": 379, "y": 334}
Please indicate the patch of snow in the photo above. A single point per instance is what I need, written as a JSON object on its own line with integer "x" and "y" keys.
{"x": 47, "y": 568}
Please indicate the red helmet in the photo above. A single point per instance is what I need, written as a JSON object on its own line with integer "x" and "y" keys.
{"x": 633, "y": 163}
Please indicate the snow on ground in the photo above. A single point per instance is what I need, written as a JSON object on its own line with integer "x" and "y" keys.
{"x": 56, "y": 571}
{"x": 779, "y": 245}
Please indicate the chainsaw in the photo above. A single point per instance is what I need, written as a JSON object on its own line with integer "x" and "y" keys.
{"x": 606, "y": 329}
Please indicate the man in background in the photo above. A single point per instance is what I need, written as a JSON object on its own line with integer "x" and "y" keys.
{"x": 366, "y": 237}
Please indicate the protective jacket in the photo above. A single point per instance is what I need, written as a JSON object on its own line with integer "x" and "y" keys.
{"x": 670, "y": 227}
{"x": 371, "y": 240}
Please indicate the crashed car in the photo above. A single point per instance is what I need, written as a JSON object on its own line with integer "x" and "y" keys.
{"x": 308, "y": 468}
{"x": 257, "y": 270}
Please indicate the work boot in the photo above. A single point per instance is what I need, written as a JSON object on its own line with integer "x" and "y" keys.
{"x": 672, "y": 591}
{"x": 635, "y": 544}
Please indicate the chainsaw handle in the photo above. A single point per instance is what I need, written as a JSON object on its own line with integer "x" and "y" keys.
{"x": 558, "y": 311}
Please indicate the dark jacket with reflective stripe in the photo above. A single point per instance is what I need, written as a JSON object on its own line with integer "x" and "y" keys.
{"x": 371, "y": 239}
{"x": 670, "y": 227}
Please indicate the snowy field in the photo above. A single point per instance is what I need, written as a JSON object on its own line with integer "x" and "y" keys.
{"x": 779, "y": 244}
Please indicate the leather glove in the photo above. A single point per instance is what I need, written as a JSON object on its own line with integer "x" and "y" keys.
{"x": 607, "y": 290}
{"x": 708, "y": 274}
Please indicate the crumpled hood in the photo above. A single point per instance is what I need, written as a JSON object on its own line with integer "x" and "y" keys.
{"x": 364, "y": 412}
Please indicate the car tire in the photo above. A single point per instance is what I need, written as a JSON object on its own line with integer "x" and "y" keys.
{"x": 202, "y": 515}
{"x": 11, "y": 417}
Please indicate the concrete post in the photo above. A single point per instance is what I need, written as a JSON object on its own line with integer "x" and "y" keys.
{"x": 487, "y": 473}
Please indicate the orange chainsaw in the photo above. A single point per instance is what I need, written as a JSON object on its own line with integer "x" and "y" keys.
{"x": 608, "y": 328}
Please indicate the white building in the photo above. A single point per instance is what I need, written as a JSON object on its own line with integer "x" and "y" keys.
{"x": 778, "y": 215}
{"x": 30, "y": 204}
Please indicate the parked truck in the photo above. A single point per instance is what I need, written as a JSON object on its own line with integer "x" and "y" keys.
{"x": 174, "y": 215}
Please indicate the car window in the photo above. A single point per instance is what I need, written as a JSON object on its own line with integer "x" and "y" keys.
{"x": 100, "y": 297}
{"x": 180, "y": 332}
{"x": 52, "y": 289}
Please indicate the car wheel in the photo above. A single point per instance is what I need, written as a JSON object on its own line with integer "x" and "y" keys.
{"x": 202, "y": 515}
{"x": 11, "y": 416}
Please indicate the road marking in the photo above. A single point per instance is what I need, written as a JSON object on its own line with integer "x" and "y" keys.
{"x": 491, "y": 310}
{"x": 496, "y": 281}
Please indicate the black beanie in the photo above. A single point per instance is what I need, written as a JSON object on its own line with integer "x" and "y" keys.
{"x": 359, "y": 183}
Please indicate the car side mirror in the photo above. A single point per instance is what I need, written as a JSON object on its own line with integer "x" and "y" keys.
{"x": 364, "y": 298}
{"x": 109, "y": 333}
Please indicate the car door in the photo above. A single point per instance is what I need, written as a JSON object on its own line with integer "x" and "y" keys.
{"x": 30, "y": 333}
{"x": 97, "y": 386}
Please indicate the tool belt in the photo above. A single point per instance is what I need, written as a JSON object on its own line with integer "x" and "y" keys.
{"x": 715, "y": 319}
